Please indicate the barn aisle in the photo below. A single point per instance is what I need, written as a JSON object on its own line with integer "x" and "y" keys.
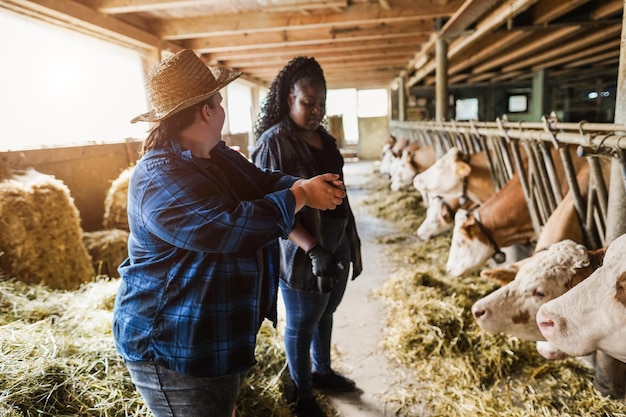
{"x": 359, "y": 319}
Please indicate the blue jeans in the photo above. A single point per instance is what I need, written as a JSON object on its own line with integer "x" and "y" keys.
{"x": 171, "y": 394}
{"x": 309, "y": 325}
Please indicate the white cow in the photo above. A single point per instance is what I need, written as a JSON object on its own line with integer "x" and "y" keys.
{"x": 546, "y": 275}
{"x": 440, "y": 216}
{"x": 387, "y": 155}
{"x": 413, "y": 160}
{"x": 450, "y": 177}
{"x": 592, "y": 315}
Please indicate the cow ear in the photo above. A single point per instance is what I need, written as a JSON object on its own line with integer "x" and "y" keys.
{"x": 462, "y": 169}
{"x": 596, "y": 257}
{"x": 502, "y": 275}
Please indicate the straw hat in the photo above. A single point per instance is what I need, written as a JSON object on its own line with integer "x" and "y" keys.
{"x": 181, "y": 81}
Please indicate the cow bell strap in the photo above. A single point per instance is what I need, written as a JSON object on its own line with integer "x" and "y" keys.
{"x": 498, "y": 256}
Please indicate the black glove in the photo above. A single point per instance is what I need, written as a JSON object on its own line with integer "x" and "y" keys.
{"x": 324, "y": 266}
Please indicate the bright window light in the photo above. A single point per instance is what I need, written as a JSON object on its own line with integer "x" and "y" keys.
{"x": 60, "y": 87}
{"x": 342, "y": 102}
{"x": 372, "y": 103}
{"x": 239, "y": 108}
{"x": 466, "y": 109}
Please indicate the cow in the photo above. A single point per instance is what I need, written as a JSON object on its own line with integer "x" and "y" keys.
{"x": 503, "y": 220}
{"x": 440, "y": 215}
{"x": 592, "y": 315}
{"x": 456, "y": 174}
{"x": 387, "y": 155}
{"x": 563, "y": 223}
{"x": 413, "y": 160}
{"x": 391, "y": 156}
{"x": 548, "y": 274}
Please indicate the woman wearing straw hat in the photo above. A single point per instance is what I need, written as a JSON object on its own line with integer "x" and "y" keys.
{"x": 314, "y": 266}
{"x": 204, "y": 222}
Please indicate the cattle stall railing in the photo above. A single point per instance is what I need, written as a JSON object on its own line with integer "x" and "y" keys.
{"x": 546, "y": 155}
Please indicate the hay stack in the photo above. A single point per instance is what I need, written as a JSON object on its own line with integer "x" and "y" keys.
{"x": 115, "y": 202}
{"x": 108, "y": 249}
{"x": 40, "y": 233}
{"x": 5, "y": 171}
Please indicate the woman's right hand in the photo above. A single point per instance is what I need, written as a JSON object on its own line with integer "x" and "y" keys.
{"x": 323, "y": 192}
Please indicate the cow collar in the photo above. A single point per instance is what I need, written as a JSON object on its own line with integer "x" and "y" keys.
{"x": 498, "y": 256}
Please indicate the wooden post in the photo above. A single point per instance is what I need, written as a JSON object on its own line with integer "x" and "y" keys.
{"x": 441, "y": 83}
{"x": 610, "y": 378}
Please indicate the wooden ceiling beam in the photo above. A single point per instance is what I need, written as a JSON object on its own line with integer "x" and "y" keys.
{"x": 363, "y": 57}
{"x": 252, "y": 23}
{"x": 548, "y": 10}
{"x": 519, "y": 50}
{"x": 293, "y": 38}
{"x": 584, "y": 41}
{"x": 346, "y": 48}
{"x": 583, "y": 55}
{"x": 76, "y": 16}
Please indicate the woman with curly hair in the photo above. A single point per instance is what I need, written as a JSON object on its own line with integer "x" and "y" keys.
{"x": 316, "y": 258}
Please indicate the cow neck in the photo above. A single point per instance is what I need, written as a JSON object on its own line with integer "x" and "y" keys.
{"x": 479, "y": 184}
{"x": 507, "y": 220}
{"x": 498, "y": 255}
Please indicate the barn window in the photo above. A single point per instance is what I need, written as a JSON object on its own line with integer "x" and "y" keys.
{"x": 466, "y": 109}
{"x": 239, "y": 98}
{"x": 63, "y": 87}
{"x": 518, "y": 103}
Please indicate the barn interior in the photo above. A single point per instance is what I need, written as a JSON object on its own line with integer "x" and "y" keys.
{"x": 454, "y": 71}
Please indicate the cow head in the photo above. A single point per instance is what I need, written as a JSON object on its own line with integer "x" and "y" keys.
{"x": 546, "y": 275}
{"x": 404, "y": 172}
{"x": 592, "y": 315}
{"x": 439, "y": 217}
{"x": 445, "y": 177}
{"x": 470, "y": 247}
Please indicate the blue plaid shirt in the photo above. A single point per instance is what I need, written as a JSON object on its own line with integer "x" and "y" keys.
{"x": 199, "y": 278}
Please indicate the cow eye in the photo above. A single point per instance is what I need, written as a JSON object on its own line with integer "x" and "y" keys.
{"x": 537, "y": 292}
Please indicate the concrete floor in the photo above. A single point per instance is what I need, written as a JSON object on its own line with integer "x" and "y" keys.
{"x": 359, "y": 319}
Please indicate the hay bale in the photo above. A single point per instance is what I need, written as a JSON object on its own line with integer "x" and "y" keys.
{"x": 108, "y": 249}
{"x": 5, "y": 171}
{"x": 115, "y": 202}
{"x": 40, "y": 233}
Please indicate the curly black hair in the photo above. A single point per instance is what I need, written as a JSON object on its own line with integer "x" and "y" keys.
{"x": 275, "y": 105}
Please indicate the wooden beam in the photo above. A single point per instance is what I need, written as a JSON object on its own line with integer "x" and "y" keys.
{"x": 584, "y": 41}
{"x": 346, "y": 48}
{"x": 583, "y": 55}
{"x": 251, "y": 23}
{"x": 527, "y": 47}
{"x": 76, "y": 16}
{"x": 294, "y": 38}
{"x": 548, "y": 10}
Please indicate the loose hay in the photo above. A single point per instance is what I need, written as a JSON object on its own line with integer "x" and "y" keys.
{"x": 57, "y": 357}
{"x": 40, "y": 232}
{"x": 453, "y": 367}
{"x": 115, "y": 202}
{"x": 108, "y": 249}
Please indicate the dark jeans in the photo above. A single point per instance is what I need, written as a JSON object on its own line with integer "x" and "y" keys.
{"x": 309, "y": 325}
{"x": 171, "y": 394}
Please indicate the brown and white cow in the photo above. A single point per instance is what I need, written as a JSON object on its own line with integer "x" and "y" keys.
{"x": 503, "y": 220}
{"x": 592, "y": 315}
{"x": 413, "y": 160}
{"x": 391, "y": 154}
{"x": 440, "y": 216}
{"x": 548, "y": 274}
{"x": 456, "y": 174}
{"x": 387, "y": 155}
{"x": 562, "y": 224}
